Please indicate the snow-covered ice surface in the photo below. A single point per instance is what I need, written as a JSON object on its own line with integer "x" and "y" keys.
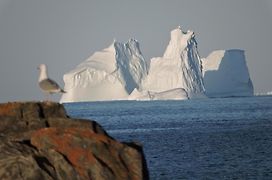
{"x": 226, "y": 74}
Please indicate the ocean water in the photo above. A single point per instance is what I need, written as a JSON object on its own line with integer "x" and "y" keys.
{"x": 223, "y": 138}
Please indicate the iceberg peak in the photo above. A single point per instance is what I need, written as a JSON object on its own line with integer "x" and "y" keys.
{"x": 179, "y": 40}
{"x": 178, "y": 33}
{"x": 111, "y": 46}
{"x": 180, "y": 66}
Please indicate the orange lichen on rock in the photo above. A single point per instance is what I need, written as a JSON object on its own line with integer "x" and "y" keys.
{"x": 65, "y": 142}
{"x": 76, "y": 144}
{"x": 9, "y": 109}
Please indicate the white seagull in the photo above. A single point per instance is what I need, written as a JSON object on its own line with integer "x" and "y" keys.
{"x": 48, "y": 85}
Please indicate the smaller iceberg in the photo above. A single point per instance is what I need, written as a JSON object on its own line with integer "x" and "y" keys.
{"x": 225, "y": 74}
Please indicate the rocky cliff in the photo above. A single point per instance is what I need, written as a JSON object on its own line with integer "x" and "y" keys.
{"x": 39, "y": 141}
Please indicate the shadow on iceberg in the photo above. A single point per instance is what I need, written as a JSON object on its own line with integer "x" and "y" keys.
{"x": 226, "y": 74}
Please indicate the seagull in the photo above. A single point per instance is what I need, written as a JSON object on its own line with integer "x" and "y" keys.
{"x": 47, "y": 85}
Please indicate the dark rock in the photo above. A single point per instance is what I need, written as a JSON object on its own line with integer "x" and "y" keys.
{"x": 39, "y": 141}
{"x": 17, "y": 162}
{"x": 32, "y": 110}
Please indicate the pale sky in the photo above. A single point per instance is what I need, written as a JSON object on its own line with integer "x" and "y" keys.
{"x": 63, "y": 33}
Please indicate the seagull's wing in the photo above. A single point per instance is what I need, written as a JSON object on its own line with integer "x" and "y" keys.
{"x": 49, "y": 85}
{"x": 53, "y": 83}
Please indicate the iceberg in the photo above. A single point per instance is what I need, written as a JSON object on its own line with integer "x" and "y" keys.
{"x": 226, "y": 74}
{"x": 179, "y": 68}
{"x": 120, "y": 72}
{"x": 110, "y": 74}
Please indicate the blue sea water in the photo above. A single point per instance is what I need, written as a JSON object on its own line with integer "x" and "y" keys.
{"x": 223, "y": 138}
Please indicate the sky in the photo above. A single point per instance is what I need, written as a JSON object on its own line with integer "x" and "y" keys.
{"x": 63, "y": 33}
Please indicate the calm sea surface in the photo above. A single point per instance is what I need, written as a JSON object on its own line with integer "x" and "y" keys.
{"x": 228, "y": 138}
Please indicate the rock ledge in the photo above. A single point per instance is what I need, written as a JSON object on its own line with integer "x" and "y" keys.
{"x": 39, "y": 141}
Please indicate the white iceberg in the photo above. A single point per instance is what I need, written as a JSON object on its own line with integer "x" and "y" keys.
{"x": 120, "y": 72}
{"x": 110, "y": 74}
{"x": 226, "y": 74}
{"x": 179, "y": 68}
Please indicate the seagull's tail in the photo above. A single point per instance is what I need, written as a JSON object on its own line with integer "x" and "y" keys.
{"x": 62, "y": 91}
